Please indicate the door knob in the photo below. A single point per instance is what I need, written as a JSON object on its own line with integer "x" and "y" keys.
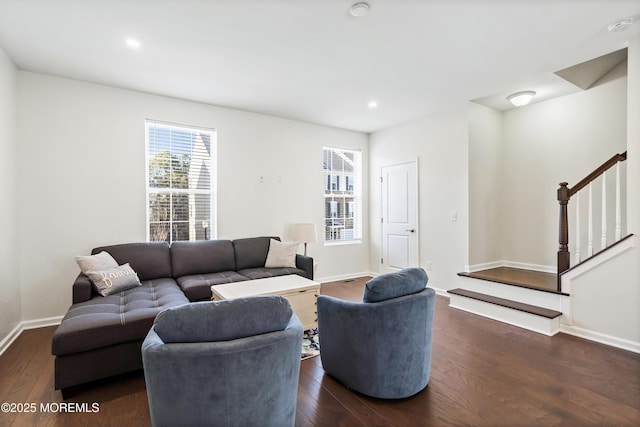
{"x": 413, "y": 230}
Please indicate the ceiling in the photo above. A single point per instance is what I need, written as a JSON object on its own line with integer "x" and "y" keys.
{"x": 311, "y": 60}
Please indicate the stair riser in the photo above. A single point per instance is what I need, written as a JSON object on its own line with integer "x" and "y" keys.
{"x": 518, "y": 318}
{"x": 515, "y": 293}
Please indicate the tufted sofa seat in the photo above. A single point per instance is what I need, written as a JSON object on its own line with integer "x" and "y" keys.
{"x": 127, "y": 315}
{"x": 116, "y": 323}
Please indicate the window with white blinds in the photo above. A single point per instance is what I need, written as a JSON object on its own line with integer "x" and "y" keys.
{"x": 342, "y": 195}
{"x": 181, "y": 175}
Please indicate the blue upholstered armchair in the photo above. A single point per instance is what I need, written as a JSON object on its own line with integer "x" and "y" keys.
{"x": 224, "y": 363}
{"x": 380, "y": 347}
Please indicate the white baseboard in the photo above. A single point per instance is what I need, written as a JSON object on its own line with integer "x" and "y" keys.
{"x": 41, "y": 323}
{"x": 10, "y": 338}
{"x": 483, "y": 266}
{"x": 23, "y": 326}
{"x": 601, "y": 338}
{"x": 344, "y": 277}
{"x": 441, "y": 292}
{"x": 512, "y": 264}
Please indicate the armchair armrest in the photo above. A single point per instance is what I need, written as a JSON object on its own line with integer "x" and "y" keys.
{"x": 82, "y": 289}
{"x": 305, "y": 263}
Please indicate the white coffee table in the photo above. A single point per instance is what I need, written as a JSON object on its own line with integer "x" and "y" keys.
{"x": 300, "y": 291}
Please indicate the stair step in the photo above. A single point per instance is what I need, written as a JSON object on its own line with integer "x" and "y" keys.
{"x": 531, "y": 279}
{"x": 527, "y": 308}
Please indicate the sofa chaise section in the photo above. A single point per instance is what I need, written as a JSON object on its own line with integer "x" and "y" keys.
{"x": 101, "y": 336}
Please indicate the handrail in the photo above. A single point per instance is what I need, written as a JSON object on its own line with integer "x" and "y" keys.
{"x": 564, "y": 194}
{"x": 596, "y": 173}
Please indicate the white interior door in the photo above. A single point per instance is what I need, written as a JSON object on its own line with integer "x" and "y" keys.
{"x": 400, "y": 234}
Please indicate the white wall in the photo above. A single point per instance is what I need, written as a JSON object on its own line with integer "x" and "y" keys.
{"x": 562, "y": 139}
{"x": 485, "y": 185}
{"x": 10, "y": 314}
{"x": 440, "y": 142}
{"x": 633, "y": 138}
{"x": 515, "y": 160}
{"x": 82, "y": 178}
{"x": 605, "y": 294}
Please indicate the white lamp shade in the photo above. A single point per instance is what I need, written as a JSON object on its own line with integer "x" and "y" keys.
{"x": 304, "y": 233}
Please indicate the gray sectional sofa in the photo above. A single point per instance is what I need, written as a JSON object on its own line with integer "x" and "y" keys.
{"x": 101, "y": 336}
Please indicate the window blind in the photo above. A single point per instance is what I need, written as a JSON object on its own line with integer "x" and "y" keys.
{"x": 180, "y": 182}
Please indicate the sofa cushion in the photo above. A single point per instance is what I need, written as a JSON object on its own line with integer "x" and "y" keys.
{"x": 251, "y": 252}
{"x": 119, "y": 318}
{"x": 97, "y": 262}
{"x": 281, "y": 254}
{"x": 263, "y": 272}
{"x": 197, "y": 287}
{"x": 151, "y": 260}
{"x": 202, "y": 256}
{"x": 393, "y": 285}
{"x": 223, "y": 320}
{"x": 114, "y": 279}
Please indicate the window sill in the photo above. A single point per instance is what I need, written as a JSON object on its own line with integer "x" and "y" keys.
{"x": 343, "y": 242}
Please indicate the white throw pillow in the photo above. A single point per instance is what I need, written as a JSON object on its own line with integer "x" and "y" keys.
{"x": 98, "y": 262}
{"x": 114, "y": 280}
{"x": 281, "y": 254}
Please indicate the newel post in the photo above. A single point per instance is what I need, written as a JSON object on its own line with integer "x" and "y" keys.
{"x": 563, "y": 251}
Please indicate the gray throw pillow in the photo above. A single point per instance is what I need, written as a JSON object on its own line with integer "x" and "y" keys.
{"x": 97, "y": 262}
{"x": 114, "y": 280}
{"x": 394, "y": 285}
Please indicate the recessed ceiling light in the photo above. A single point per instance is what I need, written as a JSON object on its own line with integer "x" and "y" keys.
{"x": 132, "y": 43}
{"x": 521, "y": 98}
{"x": 359, "y": 9}
{"x": 620, "y": 25}
{"x": 372, "y": 104}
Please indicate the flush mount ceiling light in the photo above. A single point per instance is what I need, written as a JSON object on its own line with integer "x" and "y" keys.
{"x": 359, "y": 9}
{"x": 620, "y": 25}
{"x": 372, "y": 104}
{"x": 132, "y": 43}
{"x": 521, "y": 98}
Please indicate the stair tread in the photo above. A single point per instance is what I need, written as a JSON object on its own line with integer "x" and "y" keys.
{"x": 528, "y": 308}
{"x": 531, "y": 279}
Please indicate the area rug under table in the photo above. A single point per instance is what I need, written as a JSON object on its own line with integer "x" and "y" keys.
{"x": 310, "y": 344}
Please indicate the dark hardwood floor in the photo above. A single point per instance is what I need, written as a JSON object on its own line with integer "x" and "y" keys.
{"x": 484, "y": 373}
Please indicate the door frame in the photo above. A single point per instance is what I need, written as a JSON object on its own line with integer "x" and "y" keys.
{"x": 416, "y": 162}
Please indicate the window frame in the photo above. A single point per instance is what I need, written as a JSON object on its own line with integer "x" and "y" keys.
{"x": 207, "y": 225}
{"x": 343, "y": 189}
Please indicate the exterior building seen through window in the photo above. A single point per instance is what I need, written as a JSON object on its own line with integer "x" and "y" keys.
{"x": 342, "y": 175}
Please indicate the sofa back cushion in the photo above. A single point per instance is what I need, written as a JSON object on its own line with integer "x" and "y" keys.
{"x": 202, "y": 257}
{"x": 393, "y": 285}
{"x": 211, "y": 321}
{"x": 150, "y": 260}
{"x": 251, "y": 252}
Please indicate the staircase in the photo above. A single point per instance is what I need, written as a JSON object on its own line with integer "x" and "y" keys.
{"x": 534, "y": 300}
{"x": 523, "y": 298}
